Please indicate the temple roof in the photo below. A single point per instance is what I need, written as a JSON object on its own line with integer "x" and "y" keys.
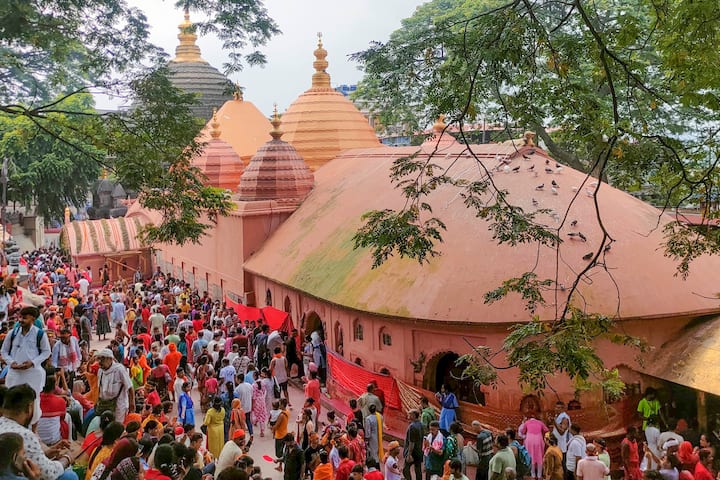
{"x": 241, "y": 125}
{"x": 192, "y": 74}
{"x": 312, "y": 251}
{"x": 218, "y": 161}
{"x": 321, "y": 122}
{"x": 276, "y": 172}
{"x": 101, "y": 237}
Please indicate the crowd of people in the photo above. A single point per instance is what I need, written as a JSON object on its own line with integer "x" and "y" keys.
{"x": 185, "y": 387}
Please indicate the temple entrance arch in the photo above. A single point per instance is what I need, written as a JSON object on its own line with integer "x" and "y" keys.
{"x": 442, "y": 368}
{"x": 313, "y": 323}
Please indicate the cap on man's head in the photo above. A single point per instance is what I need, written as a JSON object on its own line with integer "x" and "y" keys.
{"x": 105, "y": 353}
{"x": 239, "y": 433}
{"x": 590, "y": 448}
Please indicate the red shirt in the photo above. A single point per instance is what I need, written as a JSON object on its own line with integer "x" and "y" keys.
{"x": 145, "y": 314}
{"x": 153, "y": 398}
{"x": 197, "y": 325}
{"x": 702, "y": 473}
{"x": 344, "y": 469}
{"x": 52, "y": 405}
{"x": 374, "y": 475}
{"x": 147, "y": 340}
{"x": 153, "y": 474}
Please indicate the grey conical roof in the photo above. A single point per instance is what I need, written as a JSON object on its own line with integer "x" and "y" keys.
{"x": 212, "y": 87}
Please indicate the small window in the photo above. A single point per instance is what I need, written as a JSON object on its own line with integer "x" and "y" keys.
{"x": 384, "y": 371}
{"x": 358, "y": 331}
{"x": 386, "y": 339}
{"x": 358, "y": 361}
{"x": 268, "y": 297}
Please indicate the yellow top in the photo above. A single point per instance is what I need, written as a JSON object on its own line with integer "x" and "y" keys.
{"x": 276, "y": 133}
{"x": 320, "y": 79}
{"x": 187, "y": 51}
{"x": 215, "y": 126}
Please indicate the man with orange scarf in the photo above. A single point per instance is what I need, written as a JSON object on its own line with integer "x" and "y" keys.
{"x": 172, "y": 360}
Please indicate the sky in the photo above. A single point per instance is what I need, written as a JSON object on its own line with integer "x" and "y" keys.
{"x": 347, "y": 27}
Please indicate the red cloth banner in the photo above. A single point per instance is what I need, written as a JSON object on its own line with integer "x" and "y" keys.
{"x": 277, "y": 319}
{"x": 355, "y": 379}
{"x": 244, "y": 312}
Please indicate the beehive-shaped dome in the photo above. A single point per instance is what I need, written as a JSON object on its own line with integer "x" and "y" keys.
{"x": 218, "y": 161}
{"x": 321, "y": 122}
{"x": 192, "y": 74}
{"x": 276, "y": 172}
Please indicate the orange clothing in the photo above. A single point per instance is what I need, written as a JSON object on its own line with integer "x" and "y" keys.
{"x": 94, "y": 391}
{"x": 142, "y": 361}
{"x": 172, "y": 359}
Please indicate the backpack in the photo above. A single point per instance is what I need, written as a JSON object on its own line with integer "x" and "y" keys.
{"x": 14, "y": 333}
{"x": 522, "y": 460}
{"x": 450, "y": 448}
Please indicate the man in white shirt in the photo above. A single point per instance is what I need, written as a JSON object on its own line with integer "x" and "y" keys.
{"x": 243, "y": 391}
{"x": 66, "y": 353}
{"x": 233, "y": 448}
{"x": 590, "y": 468}
{"x": 157, "y": 320}
{"x": 227, "y": 373}
{"x": 561, "y": 426}
{"x": 392, "y": 469}
{"x": 18, "y": 412}
{"x": 83, "y": 285}
{"x": 115, "y": 387}
{"x": 25, "y": 348}
{"x": 575, "y": 451}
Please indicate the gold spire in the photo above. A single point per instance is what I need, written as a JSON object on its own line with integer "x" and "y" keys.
{"x": 238, "y": 93}
{"x": 187, "y": 51}
{"x": 439, "y": 124}
{"x": 276, "y": 133}
{"x": 215, "y": 132}
{"x": 320, "y": 79}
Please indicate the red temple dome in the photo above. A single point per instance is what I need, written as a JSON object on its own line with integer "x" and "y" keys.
{"x": 218, "y": 161}
{"x": 276, "y": 172}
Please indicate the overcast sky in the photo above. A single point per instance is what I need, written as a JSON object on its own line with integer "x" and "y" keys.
{"x": 347, "y": 27}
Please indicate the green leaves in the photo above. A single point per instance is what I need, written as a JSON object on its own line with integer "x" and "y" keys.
{"x": 387, "y": 232}
{"x": 527, "y": 286}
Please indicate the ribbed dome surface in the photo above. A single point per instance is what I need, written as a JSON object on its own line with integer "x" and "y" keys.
{"x": 276, "y": 172}
{"x": 211, "y": 86}
{"x": 220, "y": 164}
{"x": 321, "y": 123}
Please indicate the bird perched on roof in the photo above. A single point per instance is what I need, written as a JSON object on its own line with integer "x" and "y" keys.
{"x": 554, "y": 184}
{"x": 554, "y": 190}
{"x": 573, "y": 223}
{"x": 516, "y": 169}
{"x": 548, "y": 170}
{"x": 588, "y": 256}
{"x": 532, "y": 167}
{"x": 535, "y": 203}
{"x": 540, "y": 187}
{"x": 607, "y": 248}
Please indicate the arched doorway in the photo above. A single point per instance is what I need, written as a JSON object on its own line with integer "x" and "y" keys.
{"x": 339, "y": 347}
{"x": 442, "y": 368}
{"x": 287, "y": 305}
{"x": 313, "y": 323}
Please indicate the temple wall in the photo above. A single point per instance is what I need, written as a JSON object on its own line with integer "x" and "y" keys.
{"x": 414, "y": 340}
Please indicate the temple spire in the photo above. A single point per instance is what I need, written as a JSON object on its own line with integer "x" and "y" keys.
{"x": 187, "y": 51}
{"x": 215, "y": 125}
{"x": 276, "y": 133}
{"x": 320, "y": 79}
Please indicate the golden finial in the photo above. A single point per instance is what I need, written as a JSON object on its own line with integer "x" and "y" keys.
{"x": 67, "y": 215}
{"x": 276, "y": 133}
{"x": 103, "y": 173}
{"x": 439, "y": 125}
{"x": 320, "y": 79}
{"x": 215, "y": 125}
{"x": 529, "y": 139}
{"x": 238, "y": 93}
{"x": 187, "y": 51}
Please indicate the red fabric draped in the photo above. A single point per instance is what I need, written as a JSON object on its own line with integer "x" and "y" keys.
{"x": 244, "y": 312}
{"x": 277, "y": 319}
{"x": 355, "y": 379}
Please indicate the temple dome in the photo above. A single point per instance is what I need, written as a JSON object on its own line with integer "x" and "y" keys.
{"x": 219, "y": 162}
{"x": 313, "y": 251}
{"x": 242, "y": 126}
{"x": 321, "y": 122}
{"x": 276, "y": 172}
{"x": 192, "y": 74}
